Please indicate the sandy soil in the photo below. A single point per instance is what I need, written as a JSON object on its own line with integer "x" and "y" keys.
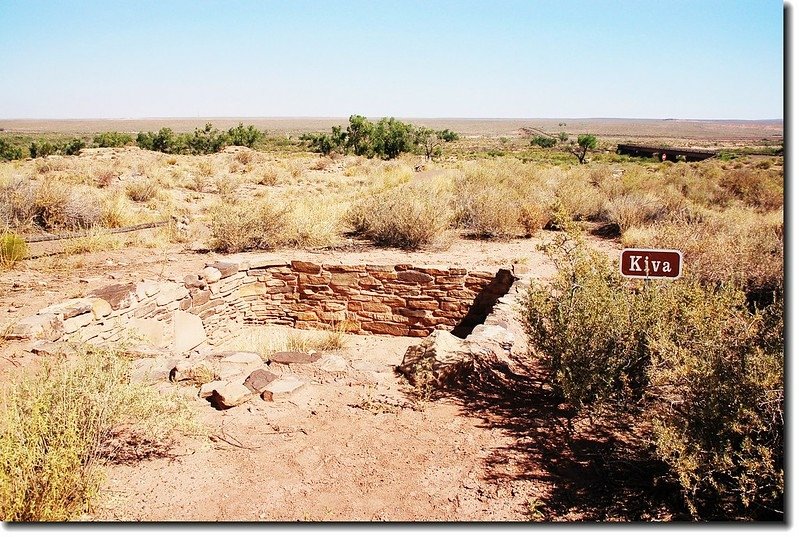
{"x": 358, "y": 445}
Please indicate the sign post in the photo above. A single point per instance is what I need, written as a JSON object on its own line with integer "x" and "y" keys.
{"x": 651, "y": 264}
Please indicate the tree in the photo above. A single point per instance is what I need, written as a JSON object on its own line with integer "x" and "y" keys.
{"x": 584, "y": 143}
{"x": 431, "y": 141}
{"x": 391, "y": 137}
{"x": 359, "y": 132}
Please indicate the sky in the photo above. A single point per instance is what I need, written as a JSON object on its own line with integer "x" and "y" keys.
{"x": 687, "y": 59}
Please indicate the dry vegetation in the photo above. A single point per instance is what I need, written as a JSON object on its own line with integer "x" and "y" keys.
{"x": 725, "y": 215}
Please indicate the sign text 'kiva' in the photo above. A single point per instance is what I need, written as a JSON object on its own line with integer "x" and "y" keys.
{"x": 638, "y": 263}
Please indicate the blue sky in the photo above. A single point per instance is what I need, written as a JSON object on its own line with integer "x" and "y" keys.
{"x": 698, "y": 59}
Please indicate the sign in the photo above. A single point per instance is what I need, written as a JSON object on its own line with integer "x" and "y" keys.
{"x": 639, "y": 263}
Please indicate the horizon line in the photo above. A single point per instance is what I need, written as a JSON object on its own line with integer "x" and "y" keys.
{"x": 508, "y": 118}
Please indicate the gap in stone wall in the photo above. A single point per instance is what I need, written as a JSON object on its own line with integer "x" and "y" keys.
{"x": 484, "y": 303}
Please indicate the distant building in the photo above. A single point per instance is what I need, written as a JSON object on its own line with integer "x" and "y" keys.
{"x": 664, "y": 153}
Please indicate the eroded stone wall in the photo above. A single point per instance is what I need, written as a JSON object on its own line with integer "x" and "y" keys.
{"x": 209, "y": 307}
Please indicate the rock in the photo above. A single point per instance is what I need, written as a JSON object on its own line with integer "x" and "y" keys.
{"x": 208, "y": 389}
{"x": 259, "y": 380}
{"x": 438, "y": 360}
{"x": 249, "y": 359}
{"x": 198, "y": 298}
{"x": 118, "y": 295}
{"x": 414, "y": 276}
{"x": 48, "y": 327}
{"x": 100, "y": 308}
{"x": 151, "y": 369}
{"x": 495, "y": 334}
{"x": 193, "y": 280}
{"x": 211, "y": 275}
{"x": 199, "y": 248}
{"x": 251, "y": 289}
{"x": 230, "y": 395}
{"x": 282, "y": 388}
{"x": 46, "y": 348}
{"x": 306, "y": 266}
{"x": 70, "y": 308}
{"x": 188, "y": 369}
{"x": 188, "y": 331}
{"x": 239, "y": 365}
{"x": 73, "y": 324}
{"x": 294, "y": 357}
{"x": 149, "y": 331}
{"x": 171, "y": 292}
{"x": 226, "y": 269}
{"x": 146, "y": 288}
{"x": 332, "y": 363}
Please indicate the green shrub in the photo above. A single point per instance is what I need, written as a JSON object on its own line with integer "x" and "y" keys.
{"x": 164, "y": 141}
{"x": 58, "y": 425}
{"x": 587, "y": 327}
{"x": 543, "y": 141}
{"x": 9, "y": 151}
{"x": 702, "y": 368}
{"x": 336, "y": 142}
{"x": 112, "y": 139}
{"x": 74, "y": 146}
{"x": 205, "y": 141}
{"x": 42, "y": 148}
{"x": 13, "y": 248}
{"x": 718, "y": 421}
{"x": 247, "y": 136}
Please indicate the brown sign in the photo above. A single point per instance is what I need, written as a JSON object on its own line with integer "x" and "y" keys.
{"x": 637, "y": 263}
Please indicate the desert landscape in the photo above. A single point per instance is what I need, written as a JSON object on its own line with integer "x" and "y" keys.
{"x": 352, "y": 319}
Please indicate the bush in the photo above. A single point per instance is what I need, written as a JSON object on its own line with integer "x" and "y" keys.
{"x": 501, "y": 201}
{"x": 698, "y": 364}
{"x": 719, "y": 421}
{"x": 408, "y": 216}
{"x": 74, "y": 146}
{"x": 112, "y": 139}
{"x": 13, "y": 248}
{"x": 141, "y": 190}
{"x": 42, "y": 148}
{"x": 164, "y": 141}
{"x": 757, "y": 241}
{"x": 587, "y": 328}
{"x": 237, "y": 226}
{"x": 326, "y": 144}
{"x": 205, "y": 141}
{"x": 9, "y": 151}
{"x": 58, "y": 426}
{"x": 543, "y": 141}
{"x": 247, "y": 136}
{"x": 634, "y": 209}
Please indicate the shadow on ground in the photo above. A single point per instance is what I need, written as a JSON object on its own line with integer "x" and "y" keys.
{"x": 599, "y": 471}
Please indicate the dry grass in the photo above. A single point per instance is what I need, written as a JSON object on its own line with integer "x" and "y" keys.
{"x": 502, "y": 200}
{"x": 142, "y": 189}
{"x": 57, "y": 426}
{"x": 240, "y": 226}
{"x": 735, "y": 245}
{"x": 408, "y": 216}
{"x": 267, "y": 341}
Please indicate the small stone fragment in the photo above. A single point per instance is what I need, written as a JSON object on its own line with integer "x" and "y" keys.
{"x": 289, "y": 357}
{"x": 282, "y": 388}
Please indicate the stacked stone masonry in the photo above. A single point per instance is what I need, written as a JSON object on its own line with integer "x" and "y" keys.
{"x": 209, "y": 307}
